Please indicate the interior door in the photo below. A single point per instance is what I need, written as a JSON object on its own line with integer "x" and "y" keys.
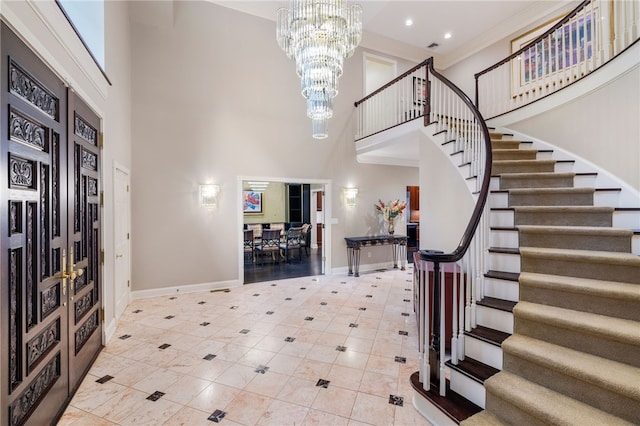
{"x": 40, "y": 292}
{"x": 121, "y": 225}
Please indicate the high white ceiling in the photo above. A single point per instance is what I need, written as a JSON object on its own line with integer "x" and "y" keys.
{"x": 473, "y": 24}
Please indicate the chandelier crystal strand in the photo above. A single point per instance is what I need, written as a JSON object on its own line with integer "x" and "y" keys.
{"x": 319, "y": 35}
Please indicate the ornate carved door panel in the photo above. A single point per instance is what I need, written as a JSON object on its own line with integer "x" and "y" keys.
{"x": 44, "y": 342}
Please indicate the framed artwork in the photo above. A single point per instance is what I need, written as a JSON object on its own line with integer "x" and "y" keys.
{"x": 251, "y": 201}
{"x": 560, "y": 51}
{"x": 419, "y": 91}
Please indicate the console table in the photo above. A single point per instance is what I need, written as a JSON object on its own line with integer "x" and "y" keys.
{"x": 398, "y": 245}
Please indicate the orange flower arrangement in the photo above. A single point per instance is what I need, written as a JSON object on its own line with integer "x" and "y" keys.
{"x": 391, "y": 209}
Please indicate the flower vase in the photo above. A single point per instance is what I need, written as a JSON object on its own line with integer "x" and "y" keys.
{"x": 390, "y": 227}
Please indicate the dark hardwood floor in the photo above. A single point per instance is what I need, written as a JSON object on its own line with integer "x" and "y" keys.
{"x": 308, "y": 266}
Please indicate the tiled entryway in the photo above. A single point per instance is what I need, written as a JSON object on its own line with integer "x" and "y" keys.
{"x": 325, "y": 350}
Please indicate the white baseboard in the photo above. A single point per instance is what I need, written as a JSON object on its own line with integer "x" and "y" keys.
{"x": 344, "y": 270}
{"x": 189, "y": 288}
{"x": 109, "y": 330}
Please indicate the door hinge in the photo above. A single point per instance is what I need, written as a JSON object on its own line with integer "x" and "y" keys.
{"x": 101, "y": 198}
{"x": 100, "y": 140}
{"x": 102, "y": 256}
{"x": 128, "y": 236}
{"x": 127, "y": 188}
{"x": 102, "y": 314}
{"x": 128, "y": 283}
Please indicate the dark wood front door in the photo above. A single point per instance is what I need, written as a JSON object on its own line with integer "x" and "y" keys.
{"x": 49, "y": 184}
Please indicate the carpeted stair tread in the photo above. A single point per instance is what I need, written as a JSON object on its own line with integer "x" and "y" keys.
{"x": 551, "y": 197}
{"x": 563, "y": 215}
{"x": 483, "y": 418}
{"x": 621, "y": 379}
{"x": 616, "y": 329}
{"x": 616, "y": 266}
{"x": 567, "y": 191}
{"x": 603, "y": 297}
{"x": 514, "y": 154}
{"x": 497, "y": 144}
{"x": 597, "y": 288}
{"x": 537, "y": 180}
{"x": 544, "y": 405}
{"x": 570, "y": 237}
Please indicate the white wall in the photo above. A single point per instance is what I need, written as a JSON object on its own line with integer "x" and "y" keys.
{"x": 215, "y": 98}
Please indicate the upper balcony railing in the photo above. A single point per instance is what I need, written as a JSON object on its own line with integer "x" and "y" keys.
{"x": 401, "y": 100}
{"x": 556, "y": 55}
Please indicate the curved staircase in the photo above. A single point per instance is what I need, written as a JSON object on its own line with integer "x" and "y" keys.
{"x": 571, "y": 353}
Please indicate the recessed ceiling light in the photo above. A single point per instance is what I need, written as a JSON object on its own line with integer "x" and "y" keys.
{"x": 408, "y": 22}
{"x": 447, "y": 35}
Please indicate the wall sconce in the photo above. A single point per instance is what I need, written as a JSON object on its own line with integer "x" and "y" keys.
{"x": 209, "y": 195}
{"x": 350, "y": 196}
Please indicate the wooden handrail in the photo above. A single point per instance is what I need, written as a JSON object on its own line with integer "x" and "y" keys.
{"x": 392, "y": 82}
{"x": 467, "y": 236}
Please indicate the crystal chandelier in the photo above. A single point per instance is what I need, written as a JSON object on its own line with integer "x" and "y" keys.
{"x": 319, "y": 34}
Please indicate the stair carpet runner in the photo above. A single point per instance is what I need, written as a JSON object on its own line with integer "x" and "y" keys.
{"x": 574, "y": 355}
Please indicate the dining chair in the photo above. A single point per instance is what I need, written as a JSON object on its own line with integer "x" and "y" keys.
{"x": 305, "y": 240}
{"x": 270, "y": 245}
{"x": 292, "y": 241}
{"x": 249, "y": 244}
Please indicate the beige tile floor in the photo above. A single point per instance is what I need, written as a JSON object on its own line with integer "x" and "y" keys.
{"x": 259, "y": 355}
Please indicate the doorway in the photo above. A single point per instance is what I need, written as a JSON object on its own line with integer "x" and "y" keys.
{"x": 50, "y": 286}
{"x": 283, "y": 203}
{"x": 122, "y": 238}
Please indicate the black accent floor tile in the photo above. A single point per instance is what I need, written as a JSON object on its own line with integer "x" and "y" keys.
{"x": 273, "y": 285}
{"x": 256, "y": 294}
{"x": 233, "y": 307}
{"x": 169, "y": 317}
{"x": 341, "y": 348}
{"x": 334, "y": 292}
{"x": 369, "y": 295}
{"x": 374, "y": 285}
{"x": 202, "y": 302}
{"x": 204, "y": 324}
{"x": 343, "y": 282}
{"x": 323, "y": 303}
{"x": 405, "y": 314}
{"x": 217, "y": 416}
{"x": 362, "y": 309}
{"x": 209, "y": 357}
{"x": 303, "y": 288}
{"x": 261, "y": 369}
{"x": 269, "y": 312}
{"x": 403, "y": 333}
{"x": 244, "y": 331}
{"x": 137, "y": 311}
{"x": 406, "y": 300}
{"x": 104, "y": 379}
{"x": 289, "y": 339}
{"x": 353, "y": 325}
{"x": 308, "y": 319}
{"x": 378, "y": 278}
{"x": 323, "y": 383}
{"x": 396, "y": 400}
{"x": 287, "y": 298}
{"x": 164, "y": 346}
{"x": 401, "y": 359}
{"x": 173, "y": 298}
{"x": 124, "y": 337}
{"x": 155, "y": 396}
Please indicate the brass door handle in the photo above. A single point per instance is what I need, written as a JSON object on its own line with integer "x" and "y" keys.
{"x": 73, "y": 273}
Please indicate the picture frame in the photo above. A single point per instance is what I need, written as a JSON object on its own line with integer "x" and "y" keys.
{"x": 419, "y": 91}
{"x": 252, "y": 202}
{"x": 566, "y": 48}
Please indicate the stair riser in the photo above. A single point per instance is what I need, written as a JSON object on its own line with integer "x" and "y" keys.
{"x": 484, "y": 352}
{"x": 494, "y": 318}
{"x": 557, "y": 182}
{"x": 626, "y": 219}
{"x": 468, "y": 388}
{"x": 564, "y": 167}
{"x": 545, "y": 375}
{"x": 569, "y": 241}
{"x": 606, "y": 198}
{"x": 504, "y": 262}
{"x": 431, "y": 412}
{"x": 503, "y": 238}
{"x": 581, "y": 268}
{"x": 501, "y": 289}
{"x": 502, "y": 219}
{"x": 563, "y": 199}
{"x": 585, "y": 181}
{"x": 635, "y": 245}
{"x": 584, "y": 301}
{"x": 594, "y": 344}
